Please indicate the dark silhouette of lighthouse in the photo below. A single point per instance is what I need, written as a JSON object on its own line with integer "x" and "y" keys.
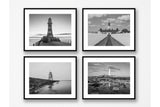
{"x": 50, "y": 76}
{"x": 49, "y": 32}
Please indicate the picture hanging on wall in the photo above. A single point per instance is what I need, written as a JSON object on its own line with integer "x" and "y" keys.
{"x": 109, "y": 77}
{"x": 50, "y": 77}
{"x": 50, "y": 29}
{"x": 109, "y": 29}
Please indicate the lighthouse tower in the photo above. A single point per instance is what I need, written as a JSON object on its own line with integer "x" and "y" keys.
{"x": 109, "y": 29}
{"x": 49, "y": 32}
{"x": 50, "y": 76}
{"x": 109, "y": 26}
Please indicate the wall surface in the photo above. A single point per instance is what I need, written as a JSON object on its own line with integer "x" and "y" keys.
{"x": 142, "y": 53}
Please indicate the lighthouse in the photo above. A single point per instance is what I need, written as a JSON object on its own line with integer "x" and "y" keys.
{"x": 49, "y": 39}
{"x": 109, "y": 26}
{"x": 49, "y": 32}
{"x": 50, "y": 76}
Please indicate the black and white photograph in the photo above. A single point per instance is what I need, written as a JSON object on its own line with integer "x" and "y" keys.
{"x": 110, "y": 29}
{"x": 109, "y": 78}
{"x": 50, "y": 29}
{"x": 50, "y": 77}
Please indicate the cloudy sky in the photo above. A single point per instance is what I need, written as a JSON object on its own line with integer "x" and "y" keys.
{"x": 97, "y": 21}
{"x": 121, "y": 69}
{"x": 60, "y": 70}
{"x": 61, "y": 23}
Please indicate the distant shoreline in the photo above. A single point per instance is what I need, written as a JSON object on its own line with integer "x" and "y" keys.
{"x": 56, "y": 35}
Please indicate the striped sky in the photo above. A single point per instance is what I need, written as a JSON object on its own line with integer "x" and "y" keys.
{"x": 121, "y": 69}
{"x": 61, "y": 23}
{"x": 97, "y": 21}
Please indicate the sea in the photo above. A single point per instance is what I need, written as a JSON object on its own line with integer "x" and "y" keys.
{"x": 61, "y": 87}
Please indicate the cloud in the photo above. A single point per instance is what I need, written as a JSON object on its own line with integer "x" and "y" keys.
{"x": 128, "y": 26}
{"x": 95, "y": 15}
{"x": 119, "y": 21}
{"x": 124, "y": 17}
{"x": 111, "y": 20}
{"x": 96, "y": 64}
{"x": 112, "y": 67}
{"x": 103, "y": 24}
{"x": 118, "y": 25}
{"x": 108, "y": 20}
{"x": 92, "y": 25}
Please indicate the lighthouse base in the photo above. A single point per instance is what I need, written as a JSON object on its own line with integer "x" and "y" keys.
{"x": 50, "y": 41}
{"x": 46, "y": 39}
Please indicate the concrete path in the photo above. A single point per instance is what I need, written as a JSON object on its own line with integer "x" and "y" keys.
{"x": 109, "y": 41}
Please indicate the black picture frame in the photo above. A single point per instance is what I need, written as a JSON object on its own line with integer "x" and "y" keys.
{"x": 116, "y": 50}
{"x": 24, "y": 43}
{"x": 24, "y": 77}
{"x": 93, "y": 98}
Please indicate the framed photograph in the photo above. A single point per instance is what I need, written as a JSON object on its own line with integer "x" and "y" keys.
{"x": 50, "y": 29}
{"x": 109, "y": 77}
{"x": 50, "y": 77}
{"x": 109, "y": 29}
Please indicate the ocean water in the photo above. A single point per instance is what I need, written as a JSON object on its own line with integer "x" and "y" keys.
{"x": 33, "y": 40}
{"x": 61, "y": 87}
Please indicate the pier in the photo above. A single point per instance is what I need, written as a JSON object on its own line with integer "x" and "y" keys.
{"x": 36, "y": 83}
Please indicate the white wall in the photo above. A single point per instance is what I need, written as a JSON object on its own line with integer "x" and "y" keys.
{"x": 142, "y": 53}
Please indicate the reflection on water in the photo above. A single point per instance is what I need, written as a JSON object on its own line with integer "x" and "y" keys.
{"x": 61, "y": 87}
